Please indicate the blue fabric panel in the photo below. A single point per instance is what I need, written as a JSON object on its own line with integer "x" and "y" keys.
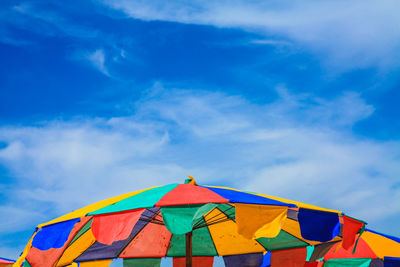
{"x": 387, "y": 236}
{"x": 53, "y": 236}
{"x": 391, "y": 262}
{"x": 244, "y": 260}
{"x": 99, "y": 251}
{"x": 376, "y": 263}
{"x": 266, "y": 260}
{"x": 242, "y": 197}
{"x": 318, "y": 225}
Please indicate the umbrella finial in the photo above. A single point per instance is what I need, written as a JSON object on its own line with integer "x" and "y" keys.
{"x": 191, "y": 180}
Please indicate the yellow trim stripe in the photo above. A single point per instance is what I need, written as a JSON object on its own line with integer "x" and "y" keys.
{"x": 21, "y": 258}
{"x": 299, "y": 204}
{"x": 93, "y": 207}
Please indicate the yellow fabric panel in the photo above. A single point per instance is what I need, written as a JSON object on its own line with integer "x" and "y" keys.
{"x": 226, "y": 239}
{"x": 76, "y": 248}
{"x": 102, "y": 263}
{"x": 299, "y": 204}
{"x": 254, "y": 221}
{"x": 92, "y": 207}
{"x": 293, "y": 228}
{"x": 74, "y": 264}
{"x": 21, "y": 258}
{"x": 382, "y": 246}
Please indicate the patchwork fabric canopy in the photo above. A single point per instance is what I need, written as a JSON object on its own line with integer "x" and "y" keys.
{"x": 6, "y": 262}
{"x": 373, "y": 249}
{"x": 188, "y": 222}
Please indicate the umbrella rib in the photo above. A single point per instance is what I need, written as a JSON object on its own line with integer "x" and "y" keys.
{"x": 214, "y": 219}
{"x": 221, "y": 212}
{"x": 215, "y": 222}
{"x": 152, "y": 219}
{"x": 211, "y": 222}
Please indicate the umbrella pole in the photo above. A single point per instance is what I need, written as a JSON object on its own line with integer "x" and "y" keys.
{"x": 189, "y": 249}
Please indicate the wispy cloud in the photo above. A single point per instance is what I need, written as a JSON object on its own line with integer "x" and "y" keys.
{"x": 358, "y": 33}
{"x": 299, "y": 146}
{"x": 97, "y": 59}
{"x": 28, "y": 15}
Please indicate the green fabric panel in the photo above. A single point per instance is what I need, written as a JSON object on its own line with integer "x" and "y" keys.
{"x": 180, "y": 219}
{"x": 83, "y": 230}
{"x": 146, "y": 199}
{"x": 310, "y": 250}
{"x": 204, "y": 209}
{"x": 360, "y": 262}
{"x": 142, "y": 262}
{"x": 228, "y": 210}
{"x": 202, "y": 244}
{"x": 27, "y": 264}
{"x": 282, "y": 241}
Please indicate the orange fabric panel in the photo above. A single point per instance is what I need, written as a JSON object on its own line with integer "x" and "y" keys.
{"x": 226, "y": 239}
{"x": 362, "y": 251}
{"x": 48, "y": 258}
{"x": 196, "y": 261}
{"x": 382, "y": 246}
{"x": 350, "y": 230}
{"x": 295, "y": 257}
{"x": 108, "y": 228}
{"x": 255, "y": 221}
{"x": 151, "y": 242}
{"x": 76, "y": 248}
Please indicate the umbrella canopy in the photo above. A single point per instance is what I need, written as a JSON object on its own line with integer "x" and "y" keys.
{"x": 6, "y": 262}
{"x": 372, "y": 247}
{"x": 183, "y": 220}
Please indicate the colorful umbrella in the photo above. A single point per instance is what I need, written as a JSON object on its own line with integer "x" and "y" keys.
{"x": 189, "y": 222}
{"x": 6, "y": 262}
{"x": 372, "y": 249}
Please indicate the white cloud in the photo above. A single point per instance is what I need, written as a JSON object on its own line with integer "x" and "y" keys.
{"x": 97, "y": 60}
{"x": 29, "y": 16}
{"x": 311, "y": 156}
{"x": 346, "y": 34}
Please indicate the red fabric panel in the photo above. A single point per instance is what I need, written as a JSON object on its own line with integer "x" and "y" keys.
{"x": 108, "y": 228}
{"x": 350, "y": 230}
{"x": 196, "y": 261}
{"x": 362, "y": 251}
{"x": 47, "y": 258}
{"x": 311, "y": 264}
{"x": 185, "y": 194}
{"x": 295, "y": 257}
{"x": 151, "y": 242}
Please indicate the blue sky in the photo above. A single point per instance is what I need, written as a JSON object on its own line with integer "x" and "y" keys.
{"x": 289, "y": 98}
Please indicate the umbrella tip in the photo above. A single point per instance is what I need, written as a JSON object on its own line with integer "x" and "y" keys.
{"x": 190, "y": 180}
